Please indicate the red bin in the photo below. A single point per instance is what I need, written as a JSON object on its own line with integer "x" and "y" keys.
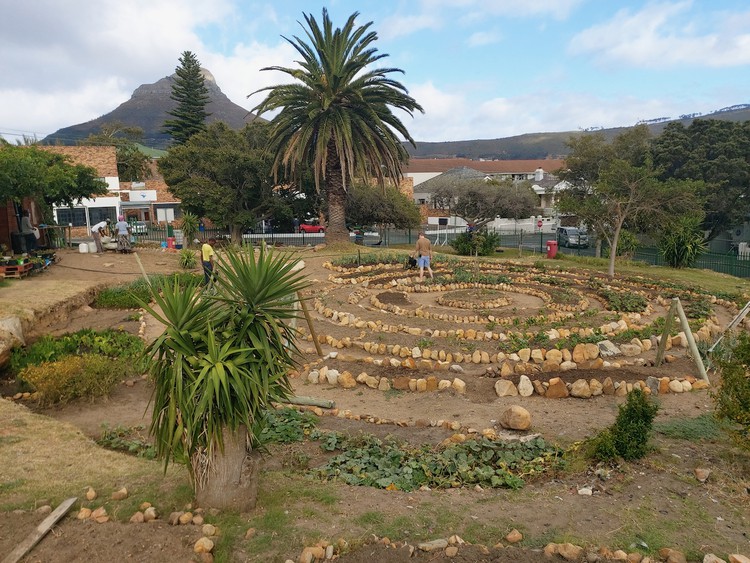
{"x": 170, "y": 242}
{"x": 551, "y": 248}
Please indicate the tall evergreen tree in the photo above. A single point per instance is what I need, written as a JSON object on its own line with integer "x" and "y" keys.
{"x": 190, "y": 92}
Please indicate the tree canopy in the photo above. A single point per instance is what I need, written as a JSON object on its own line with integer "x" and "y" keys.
{"x": 717, "y": 153}
{"x": 190, "y": 92}
{"x": 616, "y": 185}
{"x": 132, "y": 164}
{"x": 223, "y": 175}
{"x": 368, "y": 205}
{"x": 336, "y": 116}
{"x": 47, "y": 177}
{"x": 479, "y": 201}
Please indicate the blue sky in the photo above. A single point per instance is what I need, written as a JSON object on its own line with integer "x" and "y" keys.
{"x": 480, "y": 68}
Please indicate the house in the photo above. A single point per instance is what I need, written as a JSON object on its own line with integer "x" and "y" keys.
{"x": 148, "y": 201}
{"x": 427, "y": 174}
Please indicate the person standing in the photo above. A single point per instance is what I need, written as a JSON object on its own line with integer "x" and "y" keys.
{"x": 122, "y": 230}
{"x": 97, "y": 231}
{"x": 424, "y": 255}
{"x": 27, "y": 230}
{"x": 207, "y": 260}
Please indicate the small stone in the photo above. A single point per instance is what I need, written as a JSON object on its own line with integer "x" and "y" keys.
{"x": 44, "y": 509}
{"x": 701, "y": 474}
{"x": 711, "y": 558}
{"x": 150, "y": 514}
{"x": 137, "y": 518}
{"x": 210, "y": 530}
{"x": 433, "y": 545}
{"x": 84, "y": 514}
{"x": 122, "y": 494}
{"x": 569, "y": 551}
{"x": 514, "y": 536}
{"x": 248, "y": 535}
{"x": 185, "y": 518}
{"x": 90, "y": 494}
{"x": 174, "y": 518}
{"x": 144, "y": 506}
{"x": 451, "y": 551}
{"x": 197, "y": 520}
{"x": 737, "y": 558}
{"x": 203, "y": 545}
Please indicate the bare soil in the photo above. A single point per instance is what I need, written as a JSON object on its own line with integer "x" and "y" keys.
{"x": 702, "y": 517}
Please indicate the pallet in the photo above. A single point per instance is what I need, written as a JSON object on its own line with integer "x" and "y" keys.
{"x": 17, "y": 271}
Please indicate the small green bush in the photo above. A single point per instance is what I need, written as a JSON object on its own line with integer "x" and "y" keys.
{"x": 123, "y": 296}
{"x": 71, "y": 377}
{"x": 188, "y": 259}
{"x": 732, "y": 397}
{"x": 628, "y": 437}
{"x": 683, "y": 242}
{"x": 481, "y": 243}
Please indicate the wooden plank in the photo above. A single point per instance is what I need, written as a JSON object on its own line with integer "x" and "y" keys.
{"x": 41, "y": 530}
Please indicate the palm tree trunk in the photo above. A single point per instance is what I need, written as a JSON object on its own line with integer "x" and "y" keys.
{"x": 230, "y": 481}
{"x": 336, "y": 194}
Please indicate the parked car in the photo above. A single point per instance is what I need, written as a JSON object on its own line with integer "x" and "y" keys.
{"x": 572, "y": 237}
{"x": 311, "y": 228}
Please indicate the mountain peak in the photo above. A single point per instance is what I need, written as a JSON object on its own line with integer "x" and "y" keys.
{"x": 148, "y": 109}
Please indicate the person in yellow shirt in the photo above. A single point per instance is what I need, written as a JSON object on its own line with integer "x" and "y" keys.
{"x": 207, "y": 259}
{"x": 424, "y": 255}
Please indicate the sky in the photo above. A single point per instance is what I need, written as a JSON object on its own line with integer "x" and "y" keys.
{"x": 481, "y": 69}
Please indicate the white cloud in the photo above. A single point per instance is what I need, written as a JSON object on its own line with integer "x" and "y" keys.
{"x": 400, "y": 25}
{"x": 659, "y": 36}
{"x": 482, "y": 38}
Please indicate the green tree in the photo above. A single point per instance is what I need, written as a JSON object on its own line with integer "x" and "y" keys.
{"x": 479, "y": 202}
{"x": 368, "y": 205}
{"x": 132, "y": 164}
{"x": 718, "y": 154}
{"x": 616, "y": 186}
{"x": 190, "y": 92}
{"x": 223, "y": 175}
{"x": 45, "y": 176}
{"x": 222, "y": 360}
{"x": 336, "y": 118}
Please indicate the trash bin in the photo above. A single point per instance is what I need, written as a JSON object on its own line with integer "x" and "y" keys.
{"x": 170, "y": 242}
{"x": 18, "y": 243}
{"x": 551, "y": 248}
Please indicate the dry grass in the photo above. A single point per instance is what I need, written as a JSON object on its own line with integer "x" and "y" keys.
{"x": 51, "y": 460}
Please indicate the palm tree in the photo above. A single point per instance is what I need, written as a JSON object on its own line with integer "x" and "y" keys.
{"x": 220, "y": 363}
{"x": 336, "y": 117}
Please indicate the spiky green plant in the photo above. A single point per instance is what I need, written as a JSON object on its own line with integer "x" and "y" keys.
{"x": 223, "y": 357}
{"x": 683, "y": 242}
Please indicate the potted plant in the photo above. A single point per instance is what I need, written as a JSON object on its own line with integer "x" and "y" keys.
{"x": 220, "y": 363}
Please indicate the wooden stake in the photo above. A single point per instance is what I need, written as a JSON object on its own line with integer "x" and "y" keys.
{"x": 41, "y": 530}
{"x": 691, "y": 342}
{"x": 666, "y": 332}
{"x": 310, "y": 325}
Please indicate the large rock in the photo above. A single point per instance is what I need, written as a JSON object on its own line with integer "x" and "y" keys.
{"x": 515, "y": 417}
{"x": 557, "y": 389}
{"x": 505, "y": 388}
{"x": 580, "y": 389}
{"x": 525, "y": 388}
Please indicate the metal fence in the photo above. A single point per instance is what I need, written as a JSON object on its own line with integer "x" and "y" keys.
{"x": 530, "y": 241}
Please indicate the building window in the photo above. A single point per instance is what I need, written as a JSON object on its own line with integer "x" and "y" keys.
{"x": 68, "y": 216}
{"x": 99, "y": 214}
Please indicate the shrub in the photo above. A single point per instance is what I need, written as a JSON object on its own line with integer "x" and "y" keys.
{"x": 123, "y": 296}
{"x": 188, "y": 259}
{"x": 628, "y": 437}
{"x": 112, "y": 343}
{"x": 88, "y": 376}
{"x": 683, "y": 242}
{"x": 732, "y": 398}
{"x": 481, "y": 243}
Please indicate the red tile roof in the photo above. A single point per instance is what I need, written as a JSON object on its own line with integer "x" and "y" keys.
{"x": 488, "y": 166}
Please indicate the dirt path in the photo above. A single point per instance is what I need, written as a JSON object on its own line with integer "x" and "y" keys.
{"x": 663, "y": 484}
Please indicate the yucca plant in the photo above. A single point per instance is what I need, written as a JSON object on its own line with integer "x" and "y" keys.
{"x": 220, "y": 363}
{"x": 683, "y": 242}
{"x": 189, "y": 228}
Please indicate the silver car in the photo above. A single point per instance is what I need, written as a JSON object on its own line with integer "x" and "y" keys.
{"x": 572, "y": 237}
